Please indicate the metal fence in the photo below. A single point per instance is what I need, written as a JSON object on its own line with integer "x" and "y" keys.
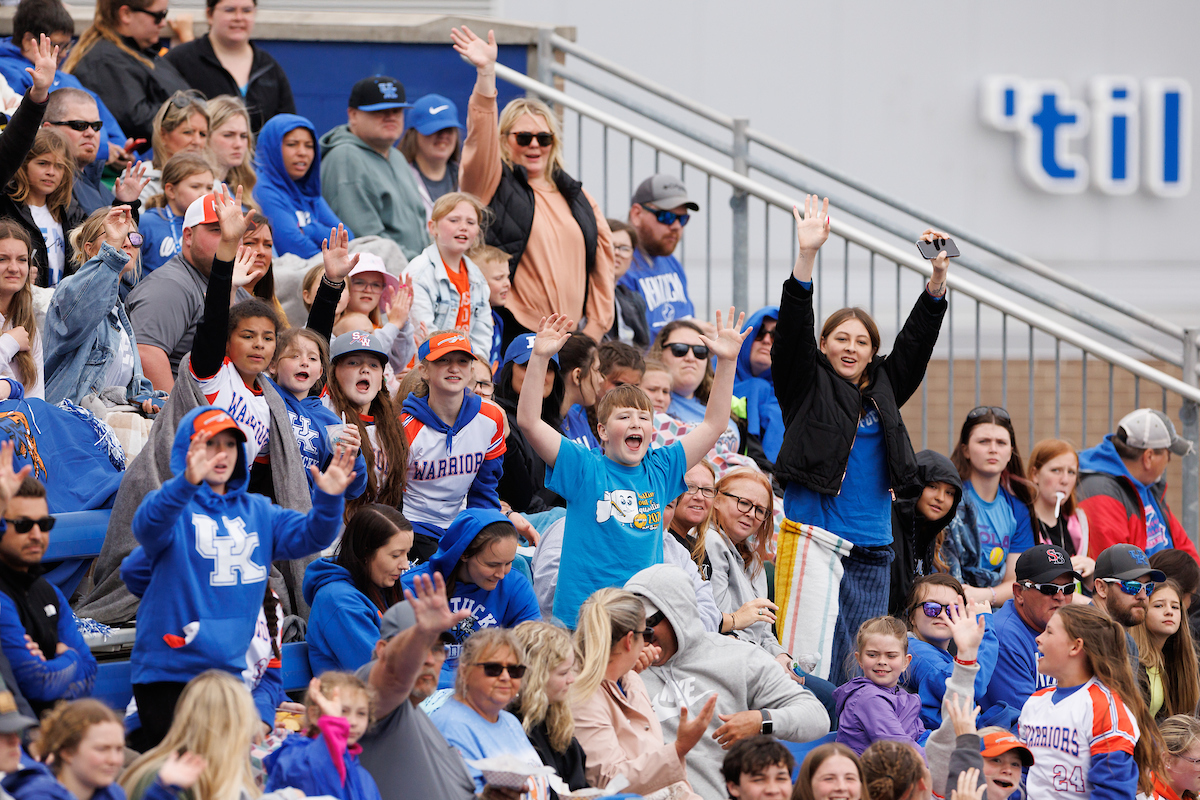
{"x": 744, "y": 246}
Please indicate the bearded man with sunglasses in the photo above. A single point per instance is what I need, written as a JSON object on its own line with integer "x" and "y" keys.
{"x": 1124, "y": 582}
{"x": 38, "y": 633}
{"x": 1045, "y": 582}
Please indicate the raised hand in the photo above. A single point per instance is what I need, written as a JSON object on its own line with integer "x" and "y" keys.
{"x": 812, "y": 229}
{"x": 335, "y": 252}
{"x": 331, "y": 705}
{"x": 182, "y": 770}
{"x": 129, "y": 184}
{"x": 481, "y": 54}
{"x": 232, "y": 219}
{"x": 937, "y": 282}
{"x": 420, "y": 334}
{"x": 118, "y": 222}
{"x": 966, "y": 631}
{"x": 400, "y": 303}
{"x": 690, "y": 730}
{"x": 45, "y": 64}
{"x": 338, "y": 475}
{"x": 199, "y": 464}
{"x": 431, "y": 609}
{"x": 552, "y": 333}
{"x": 969, "y": 787}
{"x": 960, "y": 713}
{"x": 244, "y": 272}
{"x": 10, "y": 481}
{"x": 727, "y": 342}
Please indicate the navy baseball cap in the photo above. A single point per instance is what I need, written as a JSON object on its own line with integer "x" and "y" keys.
{"x": 520, "y": 348}
{"x": 1126, "y": 562}
{"x": 378, "y": 93}
{"x": 433, "y": 113}
{"x": 357, "y": 342}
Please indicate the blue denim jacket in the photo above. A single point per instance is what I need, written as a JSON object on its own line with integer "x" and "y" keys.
{"x": 82, "y": 334}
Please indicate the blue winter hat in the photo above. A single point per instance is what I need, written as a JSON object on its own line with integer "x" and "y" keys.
{"x": 520, "y": 348}
{"x": 433, "y": 113}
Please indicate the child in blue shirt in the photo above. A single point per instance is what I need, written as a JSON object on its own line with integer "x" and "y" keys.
{"x": 615, "y": 499}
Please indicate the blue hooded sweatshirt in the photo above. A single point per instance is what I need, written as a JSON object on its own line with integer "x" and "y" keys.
{"x": 300, "y": 217}
{"x": 210, "y": 556}
{"x": 509, "y": 604}
{"x": 931, "y": 667}
{"x": 343, "y": 625}
{"x": 1103, "y": 458}
{"x": 309, "y": 420}
{"x": 764, "y": 418}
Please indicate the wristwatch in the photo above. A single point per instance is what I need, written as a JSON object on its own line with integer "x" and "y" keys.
{"x": 767, "y": 725}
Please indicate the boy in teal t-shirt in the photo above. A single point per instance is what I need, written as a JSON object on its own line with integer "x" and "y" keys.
{"x": 615, "y": 498}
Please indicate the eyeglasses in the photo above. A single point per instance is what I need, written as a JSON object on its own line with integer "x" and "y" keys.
{"x": 25, "y": 524}
{"x": 157, "y": 16}
{"x": 934, "y": 610}
{"x": 744, "y": 506}
{"x": 136, "y": 239}
{"x": 679, "y": 350}
{"x": 667, "y": 217}
{"x": 1052, "y": 589}
{"x": 362, "y": 285}
{"x": 544, "y": 139}
{"x": 493, "y": 669}
{"x": 705, "y": 491}
{"x": 763, "y": 333}
{"x": 80, "y": 125}
{"x": 485, "y": 388}
{"x": 1132, "y": 587}
{"x": 981, "y": 411}
{"x": 623, "y": 249}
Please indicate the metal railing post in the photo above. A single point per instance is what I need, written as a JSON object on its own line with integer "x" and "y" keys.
{"x": 740, "y": 203}
{"x": 545, "y": 56}
{"x": 1189, "y": 415}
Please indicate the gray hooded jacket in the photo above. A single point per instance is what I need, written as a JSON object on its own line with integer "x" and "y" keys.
{"x": 744, "y": 676}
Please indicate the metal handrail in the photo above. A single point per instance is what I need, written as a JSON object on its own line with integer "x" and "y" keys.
{"x": 791, "y": 153}
{"x": 781, "y": 200}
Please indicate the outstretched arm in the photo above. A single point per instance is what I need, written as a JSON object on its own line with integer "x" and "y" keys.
{"x": 811, "y": 232}
{"x": 552, "y": 334}
{"x": 725, "y": 347}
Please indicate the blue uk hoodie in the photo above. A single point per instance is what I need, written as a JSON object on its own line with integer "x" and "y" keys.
{"x": 309, "y": 420}
{"x": 510, "y": 603}
{"x": 300, "y": 217}
{"x": 1103, "y": 458}
{"x": 210, "y": 556}
{"x": 343, "y": 623}
{"x": 764, "y": 418}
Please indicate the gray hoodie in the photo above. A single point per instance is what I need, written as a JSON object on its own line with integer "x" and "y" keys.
{"x": 744, "y": 677}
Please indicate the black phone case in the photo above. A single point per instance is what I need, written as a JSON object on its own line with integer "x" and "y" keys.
{"x": 930, "y": 249}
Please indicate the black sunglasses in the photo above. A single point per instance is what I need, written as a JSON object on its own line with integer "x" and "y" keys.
{"x": 136, "y": 239}
{"x": 679, "y": 350}
{"x": 649, "y": 636}
{"x": 157, "y": 16}
{"x": 667, "y": 217}
{"x": 996, "y": 411}
{"x": 493, "y": 669}
{"x": 763, "y": 333}
{"x": 80, "y": 125}
{"x": 934, "y": 610}
{"x": 1051, "y": 589}
{"x": 25, "y": 524}
{"x": 544, "y": 139}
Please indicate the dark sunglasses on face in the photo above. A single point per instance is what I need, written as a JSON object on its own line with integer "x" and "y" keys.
{"x": 493, "y": 669}
{"x": 933, "y": 610}
{"x": 649, "y": 636}
{"x": 136, "y": 239}
{"x": 763, "y": 333}
{"x": 25, "y": 524}
{"x": 667, "y": 217}
{"x": 544, "y": 139}
{"x": 1052, "y": 589}
{"x": 1132, "y": 587}
{"x": 80, "y": 125}
{"x": 679, "y": 350}
{"x": 996, "y": 411}
{"x": 157, "y": 16}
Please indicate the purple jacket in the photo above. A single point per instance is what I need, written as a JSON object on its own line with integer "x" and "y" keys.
{"x": 867, "y": 713}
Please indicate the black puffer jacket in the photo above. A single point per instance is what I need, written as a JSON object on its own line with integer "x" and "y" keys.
{"x": 132, "y": 91}
{"x": 821, "y": 409}
{"x": 913, "y": 535}
{"x": 268, "y": 92}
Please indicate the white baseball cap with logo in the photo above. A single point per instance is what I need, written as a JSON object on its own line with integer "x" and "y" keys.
{"x": 202, "y": 211}
{"x": 1150, "y": 429}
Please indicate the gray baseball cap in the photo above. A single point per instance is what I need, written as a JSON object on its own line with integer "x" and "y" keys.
{"x": 357, "y": 342}
{"x": 399, "y": 618}
{"x": 12, "y": 720}
{"x": 1151, "y": 429}
{"x": 664, "y": 192}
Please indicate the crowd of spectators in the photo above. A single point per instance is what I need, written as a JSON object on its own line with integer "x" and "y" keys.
{"x": 522, "y": 504}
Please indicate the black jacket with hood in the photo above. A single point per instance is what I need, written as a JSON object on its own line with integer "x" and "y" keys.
{"x": 913, "y": 535}
{"x": 821, "y": 409}
{"x": 132, "y": 91}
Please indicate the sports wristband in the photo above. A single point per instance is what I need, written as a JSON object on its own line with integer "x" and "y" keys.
{"x": 970, "y": 663}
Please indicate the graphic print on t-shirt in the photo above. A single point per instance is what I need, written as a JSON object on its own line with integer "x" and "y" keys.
{"x": 641, "y": 510}
{"x": 1156, "y": 531}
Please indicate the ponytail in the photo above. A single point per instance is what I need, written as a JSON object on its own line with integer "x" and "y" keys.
{"x": 604, "y": 619}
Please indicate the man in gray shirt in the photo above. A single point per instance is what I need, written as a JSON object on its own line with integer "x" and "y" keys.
{"x": 405, "y": 754}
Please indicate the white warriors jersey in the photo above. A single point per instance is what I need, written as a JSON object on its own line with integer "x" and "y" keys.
{"x": 1064, "y": 737}
{"x": 440, "y": 472}
{"x": 246, "y": 404}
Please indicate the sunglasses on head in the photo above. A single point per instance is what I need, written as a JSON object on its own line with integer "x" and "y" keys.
{"x": 1132, "y": 587}
{"x": 981, "y": 411}
{"x": 679, "y": 350}
{"x": 544, "y": 138}
{"x": 157, "y": 16}
{"x": 493, "y": 669}
{"x": 1051, "y": 589}
{"x": 25, "y": 524}
{"x": 80, "y": 125}
{"x": 933, "y": 610}
{"x": 667, "y": 217}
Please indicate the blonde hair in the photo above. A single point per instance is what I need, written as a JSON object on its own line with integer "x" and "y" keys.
{"x": 604, "y": 619}
{"x": 215, "y": 718}
{"x": 488, "y": 640}
{"x": 342, "y": 681}
{"x": 179, "y": 168}
{"x": 104, "y": 26}
{"x": 546, "y": 648}
{"x": 20, "y": 309}
{"x": 698, "y": 540}
{"x": 488, "y": 253}
{"x": 449, "y": 201}
{"x": 92, "y": 229}
{"x": 48, "y": 142}
{"x": 1179, "y": 733}
{"x": 221, "y": 109}
{"x": 528, "y": 105}
{"x": 882, "y": 626}
{"x": 171, "y": 115}
{"x": 67, "y": 724}
{"x": 753, "y": 549}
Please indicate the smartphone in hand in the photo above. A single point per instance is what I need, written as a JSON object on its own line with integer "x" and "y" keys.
{"x": 930, "y": 250}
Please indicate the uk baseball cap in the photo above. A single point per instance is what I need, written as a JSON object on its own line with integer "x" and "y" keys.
{"x": 399, "y": 618}
{"x": 1150, "y": 429}
{"x": 998, "y": 742}
{"x": 378, "y": 93}
{"x": 433, "y": 113}
{"x": 213, "y": 422}
{"x": 443, "y": 343}
{"x": 1125, "y": 562}
{"x": 202, "y": 211}
{"x": 1044, "y": 563}
{"x": 663, "y": 191}
{"x": 356, "y": 342}
{"x": 521, "y": 348}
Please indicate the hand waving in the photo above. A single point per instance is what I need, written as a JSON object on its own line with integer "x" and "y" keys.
{"x": 338, "y": 475}
{"x": 232, "y": 219}
{"x": 198, "y": 462}
{"x": 45, "y": 64}
{"x": 728, "y": 341}
{"x": 10, "y": 481}
{"x": 182, "y": 770}
{"x": 967, "y": 632}
{"x": 129, "y": 184}
{"x": 969, "y": 787}
{"x": 552, "y": 334}
{"x": 244, "y": 272}
{"x": 813, "y": 228}
{"x": 335, "y": 252}
{"x": 960, "y": 713}
{"x": 118, "y": 222}
{"x": 480, "y": 53}
{"x": 400, "y": 303}
{"x": 430, "y": 606}
{"x": 330, "y": 705}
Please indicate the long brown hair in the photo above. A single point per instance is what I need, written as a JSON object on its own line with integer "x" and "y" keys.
{"x": 104, "y": 26}
{"x": 54, "y": 145}
{"x": 1047, "y": 450}
{"x": 819, "y": 755}
{"x": 264, "y": 287}
{"x": 1175, "y": 660}
{"x": 660, "y": 344}
{"x": 20, "y": 310}
{"x": 408, "y": 146}
{"x": 1104, "y": 647}
{"x": 1013, "y": 476}
{"x": 492, "y": 532}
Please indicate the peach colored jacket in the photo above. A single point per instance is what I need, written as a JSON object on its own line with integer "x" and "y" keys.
{"x": 550, "y": 277}
{"x": 621, "y": 735}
